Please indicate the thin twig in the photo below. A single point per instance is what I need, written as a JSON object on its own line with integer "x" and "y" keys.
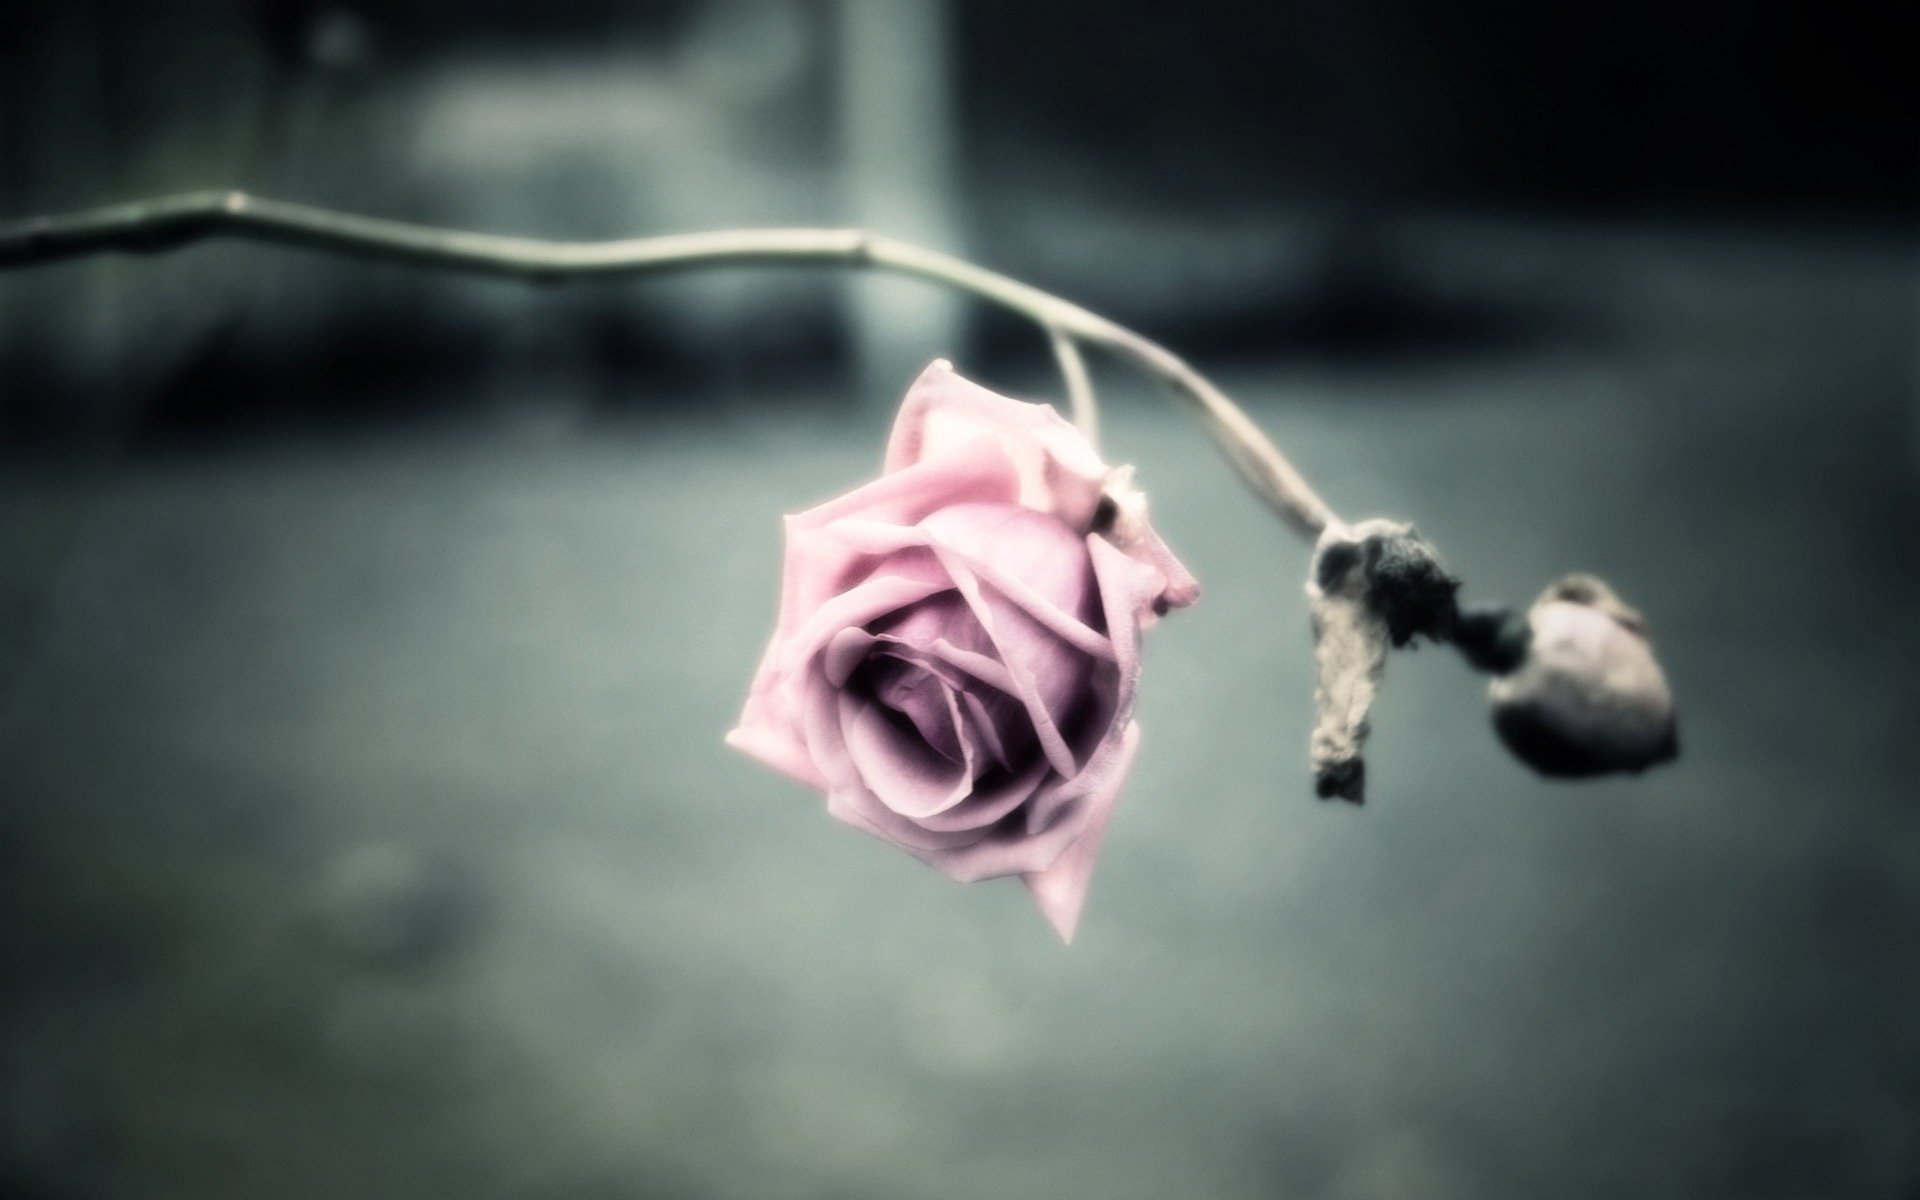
{"x": 1073, "y": 373}
{"x": 172, "y": 221}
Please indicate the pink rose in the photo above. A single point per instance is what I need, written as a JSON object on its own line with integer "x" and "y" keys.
{"x": 958, "y": 644}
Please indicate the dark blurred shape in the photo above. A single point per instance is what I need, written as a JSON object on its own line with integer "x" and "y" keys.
{"x": 1639, "y": 106}
{"x": 1490, "y": 638}
{"x": 380, "y": 904}
{"x": 1241, "y": 179}
{"x": 1373, "y": 586}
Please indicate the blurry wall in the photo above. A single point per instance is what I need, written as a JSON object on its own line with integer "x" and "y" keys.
{"x": 566, "y": 121}
{"x": 1224, "y": 176}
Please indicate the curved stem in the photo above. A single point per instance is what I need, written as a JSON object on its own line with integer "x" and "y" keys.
{"x": 172, "y": 221}
{"x": 1079, "y": 384}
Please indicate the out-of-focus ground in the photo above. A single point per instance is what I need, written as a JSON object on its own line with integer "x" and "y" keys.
{"x": 367, "y": 829}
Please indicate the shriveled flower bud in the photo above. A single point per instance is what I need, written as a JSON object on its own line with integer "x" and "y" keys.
{"x": 1373, "y": 585}
{"x": 1588, "y": 698}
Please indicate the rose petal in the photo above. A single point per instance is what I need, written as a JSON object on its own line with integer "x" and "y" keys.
{"x": 1128, "y": 589}
{"x": 987, "y": 806}
{"x": 902, "y": 771}
{"x": 1059, "y": 472}
{"x": 816, "y": 571}
{"x": 993, "y": 718}
{"x": 904, "y": 581}
{"x": 770, "y": 727}
{"x": 776, "y": 745}
{"x": 983, "y": 667}
{"x": 1036, "y": 560}
{"x": 1061, "y": 624}
{"x": 983, "y": 726}
{"x": 1008, "y": 851}
{"x": 1046, "y": 581}
{"x": 973, "y": 470}
{"x": 1018, "y": 552}
{"x": 926, "y": 698}
{"x": 848, "y": 796}
{"x": 1178, "y": 587}
{"x": 900, "y": 679}
{"x": 818, "y": 566}
{"x": 1035, "y": 662}
{"x": 1060, "y": 888}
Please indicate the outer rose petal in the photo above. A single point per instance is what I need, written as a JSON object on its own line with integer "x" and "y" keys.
{"x": 816, "y": 563}
{"x": 818, "y": 568}
{"x": 1132, "y": 533}
{"x": 1059, "y": 470}
{"x": 1127, "y": 587}
{"x": 1060, "y": 473}
{"x": 771, "y": 727}
{"x": 1181, "y": 588}
{"x": 1061, "y": 889}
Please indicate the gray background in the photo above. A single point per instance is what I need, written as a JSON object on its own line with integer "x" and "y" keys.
{"x": 367, "y": 830}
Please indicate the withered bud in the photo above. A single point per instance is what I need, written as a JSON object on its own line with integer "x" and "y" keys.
{"x": 1588, "y": 697}
{"x": 1373, "y": 586}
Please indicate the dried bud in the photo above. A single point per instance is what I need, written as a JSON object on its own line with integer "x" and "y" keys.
{"x": 1588, "y": 698}
{"x": 1372, "y": 586}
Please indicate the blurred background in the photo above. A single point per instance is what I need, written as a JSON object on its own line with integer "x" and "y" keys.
{"x": 367, "y": 634}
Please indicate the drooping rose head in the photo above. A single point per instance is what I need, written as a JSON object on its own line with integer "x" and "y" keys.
{"x": 958, "y": 645}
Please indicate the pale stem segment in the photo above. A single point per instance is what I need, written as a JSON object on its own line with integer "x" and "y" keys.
{"x": 172, "y": 221}
{"x": 1079, "y": 384}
